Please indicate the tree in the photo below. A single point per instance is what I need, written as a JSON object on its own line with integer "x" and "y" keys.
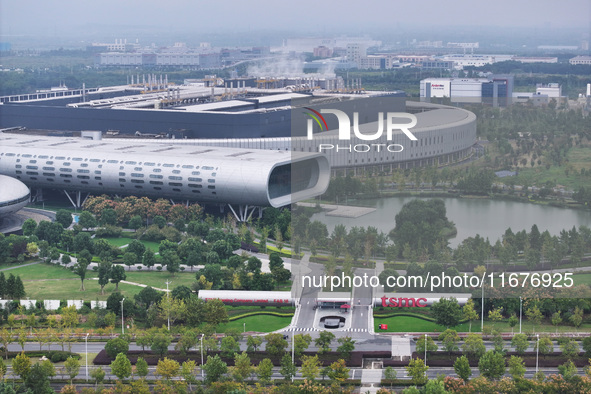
{"x": 86, "y": 220}
{"x": 187, "y": 341}
{"x": 534, "y": 315}
{"x": 520, "y": 343}
{"x": 72, "y": 366}
{"x": 66, "y": 259}
{"x": 545, "y": 345}
{"x": 188, "y": 372}
{"x": 135, "y": 222}
{"x": 390, "y": 374}
{"x": 64, "y": 218}
{"x": 288, "y": 368}
{"x": 469, "y": 313}
{"x": 449, "y": 339}
{"x": 37, "y": 380}
{"x": 556, "y": 320}
{"x": 167, "y": 368}
{"x": 474, "y": 346}
{"x": 29, "y": 227}
{"x": 80, "y": 269}
{"x": 98, "y": 375}
{"x": 516, "y": 367}
{"x": 215, "y": 312}
{"x": 568, "y": 370}
{"x": 141, "y": 367}
{"x": 253, "y": 342}
{"x": 447, "y": 312}
{"x": 431, "y": 346}
{"x": 276, "y": 345}
{"x": 462, "y": 368}
{"x": 323, "y": 341}
{"x": 129, "y": 259}
{"x": 242, "y": 367}
{"x": 121, "y": 367}
{"x": 229, "y": 347}
{"x": 115, "y": 346}
{"x": 338, "y": 371}
{"x": 347, "y": 346}
{"x": 492, "y": 365}
{"x": 498, "y": 342}
{"x": 264, "y": 371}
{"x": 417, "y": 370}
{"x": 570, "y": 349}
{"x": 104, "y": 273}
{"x": 21, "y": 365}
{"x": 214, "y": 369}
{"x": 160, "y": 343}
{"x": 117, "y": 275}
{"x": 310, "y": 367}
{"x": 149, "y": 258}
{"x": 577, "y": 317}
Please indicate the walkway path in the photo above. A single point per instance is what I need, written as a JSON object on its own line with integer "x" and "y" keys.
{"x": 19, "y": 266}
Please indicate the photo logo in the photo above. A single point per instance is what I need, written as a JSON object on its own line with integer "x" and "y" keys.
{"x": 315, "y": 115}
{"x": 345, "y": 124}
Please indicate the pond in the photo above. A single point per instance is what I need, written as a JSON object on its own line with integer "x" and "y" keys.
{"x": 489, "y": 218}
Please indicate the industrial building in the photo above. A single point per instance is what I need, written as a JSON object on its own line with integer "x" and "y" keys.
{"x": 226, "y": 145}
{"x": 495, "y": 90}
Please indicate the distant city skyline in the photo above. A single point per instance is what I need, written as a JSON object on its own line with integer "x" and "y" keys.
{"x": 134, "y": 18}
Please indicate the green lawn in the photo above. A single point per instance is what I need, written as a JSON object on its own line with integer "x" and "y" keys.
{"x": 158, "y": 279}
{"x": 55, "y": 289}
{"x": 260, "y": 323}
{"x": 413, "y": 324}
{"x": 44, "y": 281}
{"x": 42, "y": 271}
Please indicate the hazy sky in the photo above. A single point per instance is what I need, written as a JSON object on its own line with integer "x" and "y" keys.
{"x": 84, "y": 17}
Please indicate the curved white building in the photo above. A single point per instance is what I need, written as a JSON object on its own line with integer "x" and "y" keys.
{"x": 245, "y": 177}
{"x": 14, "y": 195}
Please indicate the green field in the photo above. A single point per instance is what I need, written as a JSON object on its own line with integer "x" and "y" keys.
{"x": 260, "y": 323}
{"x": 578, "y": 157}
{"x": 413, "y": 324}
{"x": 43, "y": 281}
{"x": 158, "y": 279}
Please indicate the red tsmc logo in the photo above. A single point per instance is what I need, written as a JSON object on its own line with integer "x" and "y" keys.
{"x": 403, "y": 302}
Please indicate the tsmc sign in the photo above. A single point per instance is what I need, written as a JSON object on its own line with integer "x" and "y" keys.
{"x": 403, "y": 302}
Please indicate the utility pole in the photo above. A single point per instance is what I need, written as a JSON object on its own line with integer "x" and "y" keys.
{"x": 122, "y": 321}
{"x": 168, "y": 311}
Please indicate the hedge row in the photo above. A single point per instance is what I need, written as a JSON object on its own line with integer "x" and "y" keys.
{"x": 260, "y": 313}
{"x": 355, "y": 360}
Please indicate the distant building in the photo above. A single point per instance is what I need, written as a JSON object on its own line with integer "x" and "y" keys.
{"x": 551, "y": 90}
{"x": 322, "y": 52}
{"x": 535, "y": 59}
{"x": 355, "y": 52}
{"x": 496, "y": 90}
{"x": 580, "y": 60}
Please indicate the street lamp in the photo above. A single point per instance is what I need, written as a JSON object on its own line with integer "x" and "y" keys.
{"x": 122, "y": 321}
{"x": 292, "y": 350}
{"x": 520, "y": 309}
{"x": 202, "y": 354}
{"x": 244, "y": 327}
{"x": 537, "y": 350}
{"x": 86, "y": 351}
{"x": 168, "y": 317}
{"x": 425, "y": 349}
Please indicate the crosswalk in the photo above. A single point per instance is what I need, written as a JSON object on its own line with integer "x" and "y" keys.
{"x": 315, "y": 329}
